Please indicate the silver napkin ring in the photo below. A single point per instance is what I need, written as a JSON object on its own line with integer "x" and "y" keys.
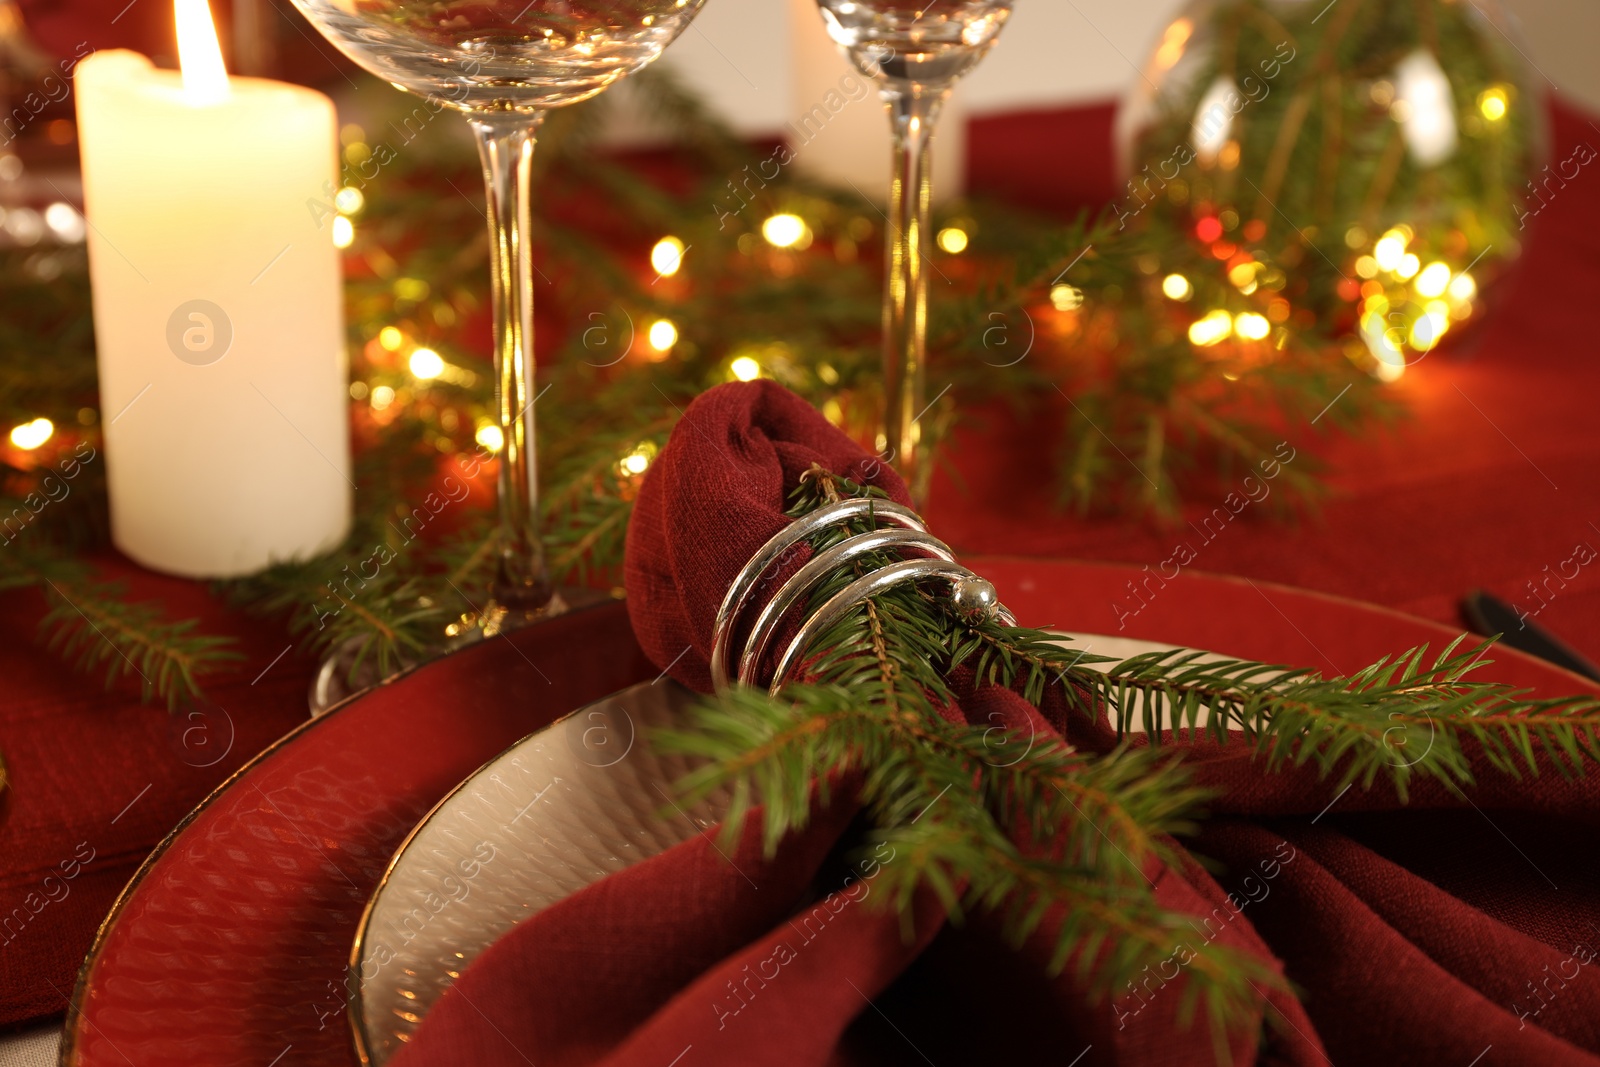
{"x": 971, "y": 596}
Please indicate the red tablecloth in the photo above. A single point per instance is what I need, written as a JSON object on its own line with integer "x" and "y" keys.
{"x": 1489, "y": 484}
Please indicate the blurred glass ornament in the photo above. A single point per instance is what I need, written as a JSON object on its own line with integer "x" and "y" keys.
{"x": 1381, "y": 155}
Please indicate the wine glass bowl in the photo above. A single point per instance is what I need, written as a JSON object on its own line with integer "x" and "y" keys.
{"x": 504, "y": 55}
{"x": 926, "y": 42}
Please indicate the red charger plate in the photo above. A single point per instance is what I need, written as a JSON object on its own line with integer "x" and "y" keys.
{"x": 229, "y": 946}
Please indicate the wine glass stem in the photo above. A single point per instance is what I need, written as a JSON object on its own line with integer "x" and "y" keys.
{"x": 505, "y": 143}
{"x": 913, "y": 112}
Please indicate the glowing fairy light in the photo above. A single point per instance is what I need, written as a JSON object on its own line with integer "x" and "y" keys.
{"x": 349, "y": 200}
{"x": 663, "y": 335}
{"x": 1176, "y": 287}
{"x": 1493, "y": 103}
{"x": 1211, "y": 329}
{"x": 1390, "y": 250}
{"x": 667, "y": 256}
{"x": 953, "y": 239}
{"x": 1251, "y": 326}
{"x": 1409, "y": 265}
{"x": 381, "y": 398}
{"x": 1433, "y": 281}
{"x": 786, "y": 231}
{"x": 391, "y": 338}
{"x": 30, "y": 435}
{"x": 638, "y": 461}
{"x": 344, "y": 232}
{"x": 426, "y": 364}
{"x": 490, "y": 437}
{"x": 1462, "y": 287}
{"x": 1066, "y": 297}
{"x": 745, "y": 369}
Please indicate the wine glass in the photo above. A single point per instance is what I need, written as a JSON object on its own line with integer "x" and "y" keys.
{"x": 504, "y": 64}
{"x": 916, "y": 51}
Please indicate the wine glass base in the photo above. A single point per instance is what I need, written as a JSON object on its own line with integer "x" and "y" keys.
{"x": 348, "y": 670}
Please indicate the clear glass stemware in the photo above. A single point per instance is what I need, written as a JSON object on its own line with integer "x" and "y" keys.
{"x": 916, "y": 51}
{"x": 504, "y": 63}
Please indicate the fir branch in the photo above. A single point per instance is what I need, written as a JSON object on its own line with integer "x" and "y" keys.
{"x": 91, "y": 627}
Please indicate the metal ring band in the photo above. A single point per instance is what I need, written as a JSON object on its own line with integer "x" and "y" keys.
{"x": 852, "y": 595}
{"x": 744, "y": 583}
{"x": 814, "y": 572}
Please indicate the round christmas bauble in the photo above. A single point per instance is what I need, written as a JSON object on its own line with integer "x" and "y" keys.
{"x": 1376, "y": 160}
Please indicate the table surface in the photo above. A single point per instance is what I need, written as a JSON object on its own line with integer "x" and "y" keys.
{"x": 1489, "y": 482}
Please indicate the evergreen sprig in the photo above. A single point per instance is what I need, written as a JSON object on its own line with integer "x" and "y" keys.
{"x": 1061, "y": 843}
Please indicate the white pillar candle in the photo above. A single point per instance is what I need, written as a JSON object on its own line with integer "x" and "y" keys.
{"x": 839, "y": 129}
{"x": 217, "y": 309}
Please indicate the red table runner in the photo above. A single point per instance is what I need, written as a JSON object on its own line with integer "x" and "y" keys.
{"x": 1490, "y": 484}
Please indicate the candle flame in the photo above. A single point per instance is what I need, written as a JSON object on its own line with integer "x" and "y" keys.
{"x": 205, "y": 79}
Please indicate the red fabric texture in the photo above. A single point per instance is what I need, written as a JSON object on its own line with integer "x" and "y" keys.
{"x": 698, "y": 958}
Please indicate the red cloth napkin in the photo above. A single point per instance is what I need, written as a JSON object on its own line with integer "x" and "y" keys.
{"x": 1409, "y": 942}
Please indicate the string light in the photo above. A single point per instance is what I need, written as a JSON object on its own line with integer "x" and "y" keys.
{"x": 667, "y": 256}
{"x": 1493, "y": 103}
{"x": 344, "y": 232}
{"x": 1433, "y": 281}
{"x": 490, "y": 437}
{"x": 745, "y": 369}
{"x": 638, "y": 461}
{"x": 30, "y": 435}
{"x": 1251, "y": 326}
{"x": 382, "y": 397}
{"x": 663, "y": 335}
{"x": 1462, "y": 287}
{"x": 1213, "y": 328}
{"x": 1066, "y": 297}
{"x": 953, "y": 240}
{"x": 786, "y": 231}
{"x": 1177, "y": 287}
{"x": 1390, "y": 250}
{"x": 426, "y": 364}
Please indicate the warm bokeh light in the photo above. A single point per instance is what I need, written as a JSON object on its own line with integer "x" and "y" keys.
{"x": 1433, "y": 281}
{"x": 1493, "y": 103}
{"x": 1409, "y": 265}
{"x": 786, "y": 231}
{"x": 205, "y": 79}
{"x": 1462, "y": 287}
{"x": 1066, "y": 297}
{"x": 426, "y": 364}
{"x": 667, "y": 256}
{"x": 30, "y": 435}
{"x": 382, "y": 397}
{"x": 1211, "y": 329}
{"x": 349, "y": 200}
{"x": 663, "y": 335}
{"x": 1176, "y": 287}
{"x": 745, "y": 369}
{"x": 638, "y": 461}
{"x": 391, "y": 338}
{"x": 344, "y": 232}
{"x": 490, "y": 437}
{"x": 1390, "y": 250}
{"x": 1366, "y": 267}
{"x": 953, "y": 240}
{"x": 1251, "y": 326}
